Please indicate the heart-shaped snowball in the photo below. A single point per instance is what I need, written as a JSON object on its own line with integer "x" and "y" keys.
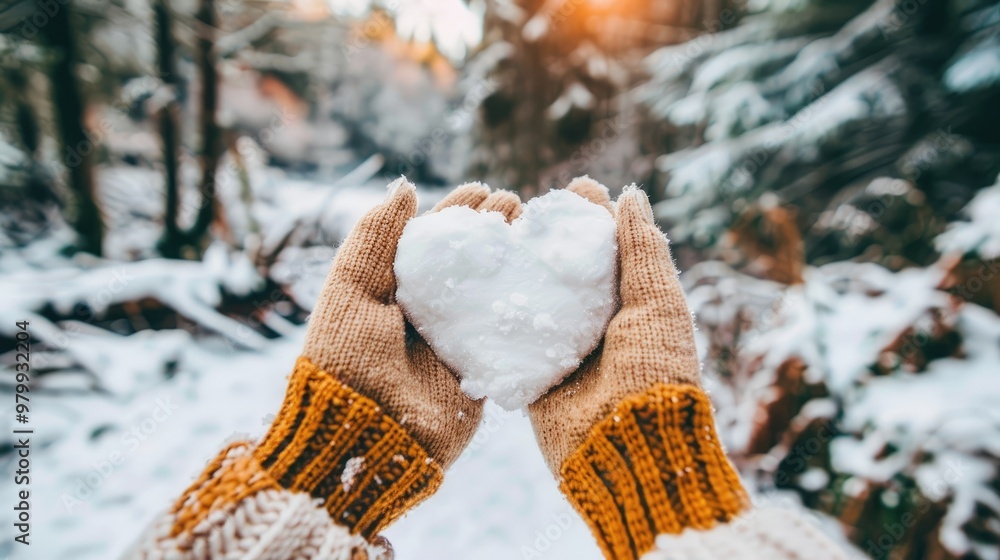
{"x": 511, "y": 308}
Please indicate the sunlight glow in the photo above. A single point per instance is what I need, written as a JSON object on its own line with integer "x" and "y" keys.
{"x": 451, "y": 25}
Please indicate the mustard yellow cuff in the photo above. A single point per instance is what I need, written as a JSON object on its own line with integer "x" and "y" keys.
{"x": 654, "y": 465}
{"x": 337, "y": 445}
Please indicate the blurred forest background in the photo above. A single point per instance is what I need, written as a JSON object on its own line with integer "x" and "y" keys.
{"x": 176, "y": 174}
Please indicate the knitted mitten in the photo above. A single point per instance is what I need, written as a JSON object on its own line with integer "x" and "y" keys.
{"x": 370, "y": 421}
{"x": 630, "y": 434}
{"x": 369, "y": 397}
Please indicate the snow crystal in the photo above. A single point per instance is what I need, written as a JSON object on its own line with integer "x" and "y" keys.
{"x": 512, "y": 309}
{"x": 353, "y": 467}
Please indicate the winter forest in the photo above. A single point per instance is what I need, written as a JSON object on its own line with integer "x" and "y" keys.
{"x": 176, "y": 176}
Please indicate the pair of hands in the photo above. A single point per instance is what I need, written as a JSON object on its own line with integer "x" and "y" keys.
{"x": 358, "y": 333}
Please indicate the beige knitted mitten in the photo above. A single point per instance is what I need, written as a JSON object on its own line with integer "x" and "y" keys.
{"x": 359, "y": 334}
{"x": 630, "y": 434}
{"x": 370, "y": 421}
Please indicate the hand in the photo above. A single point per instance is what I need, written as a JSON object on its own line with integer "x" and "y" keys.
{"x": 650, "y": 339}
{"x": 630, "y": 435}
{"x": 359, "y": 334}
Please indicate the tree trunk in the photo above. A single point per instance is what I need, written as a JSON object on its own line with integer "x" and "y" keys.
{"x": 172, "y": 241}
{"x": 67, "y": 97}
{"x": 211, "y": 133}
{"x": 177, "y": 242}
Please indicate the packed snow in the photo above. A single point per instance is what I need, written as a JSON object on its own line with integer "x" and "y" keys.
{"x": 512, "y": 308}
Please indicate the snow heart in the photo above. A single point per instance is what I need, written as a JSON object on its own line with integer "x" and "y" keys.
{"x": 511, "y": 308}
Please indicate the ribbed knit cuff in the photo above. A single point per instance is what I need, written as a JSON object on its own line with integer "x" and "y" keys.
{"x": 337, "y": 445}
{"x": 654, "y": 465}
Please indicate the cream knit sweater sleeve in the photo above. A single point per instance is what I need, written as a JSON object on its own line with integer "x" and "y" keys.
{"x": 762, "y": 534}
{"x": 269, "y": 523}
{"x": 332, "y": 471}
